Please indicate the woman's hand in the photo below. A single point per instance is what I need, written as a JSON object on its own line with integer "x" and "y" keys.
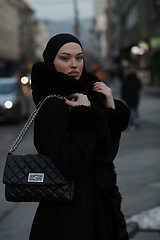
{"x": 107, "y": 92}
{"x": 78, "y": 99}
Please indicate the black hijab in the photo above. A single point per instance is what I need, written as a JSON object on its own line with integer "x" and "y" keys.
{"x": 54, "y": 44}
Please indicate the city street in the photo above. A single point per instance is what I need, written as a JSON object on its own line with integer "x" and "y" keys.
{"x": 137, "y": 165}
{"x": 138, "y": 162}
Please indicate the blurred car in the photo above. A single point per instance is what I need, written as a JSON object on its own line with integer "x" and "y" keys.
{"x": 14, "y": 105}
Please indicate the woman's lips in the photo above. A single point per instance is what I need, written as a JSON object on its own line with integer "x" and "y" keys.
{"x": 73, "y": 73}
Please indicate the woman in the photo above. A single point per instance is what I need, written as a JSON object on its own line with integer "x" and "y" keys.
{"x": 81, "y": 136}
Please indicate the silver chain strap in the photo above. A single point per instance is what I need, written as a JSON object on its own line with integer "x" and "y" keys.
{"x": 29, "y": 122}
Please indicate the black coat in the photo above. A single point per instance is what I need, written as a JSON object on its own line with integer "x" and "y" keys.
{"x": 82, "y": 143}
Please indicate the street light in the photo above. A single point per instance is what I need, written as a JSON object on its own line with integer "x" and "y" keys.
{"x": 76, "y": 27}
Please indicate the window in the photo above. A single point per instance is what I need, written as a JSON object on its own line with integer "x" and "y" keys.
{"x": 132, "y": 17}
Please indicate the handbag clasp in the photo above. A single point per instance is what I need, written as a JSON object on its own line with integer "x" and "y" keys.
{"x": 36, "y": 177}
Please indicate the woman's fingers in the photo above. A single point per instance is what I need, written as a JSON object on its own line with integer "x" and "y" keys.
{"x": 103, "y": 88}
{"x": 71, "y": 103}
{"x": 72, "y": 97}
{"x": 100, "y": 86}
{"x": 106, "y": 91}
{"x": 77, "y": 99}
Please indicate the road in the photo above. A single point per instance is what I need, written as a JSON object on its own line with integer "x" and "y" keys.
{"x": 137, "y": 165}
{"x": 138, "y": 161}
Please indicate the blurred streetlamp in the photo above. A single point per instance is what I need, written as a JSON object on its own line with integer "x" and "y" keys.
{"x": 24, "y": 80}
{"x": 76, "y": 27}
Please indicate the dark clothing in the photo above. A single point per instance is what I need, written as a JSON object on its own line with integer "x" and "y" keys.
{"x": 131, "y": 87}
{"x": 82, "y": 142}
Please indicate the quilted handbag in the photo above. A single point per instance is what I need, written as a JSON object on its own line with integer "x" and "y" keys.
{"x": 33, "y": 177}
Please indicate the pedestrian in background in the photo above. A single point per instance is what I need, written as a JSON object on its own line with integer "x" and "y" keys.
{"x": 131, "y": 86}
{"x": 81, "y": 136}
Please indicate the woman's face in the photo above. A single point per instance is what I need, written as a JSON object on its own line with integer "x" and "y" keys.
{"x": 69, "y": 60}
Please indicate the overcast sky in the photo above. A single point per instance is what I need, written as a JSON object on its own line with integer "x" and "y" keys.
{"x": 58, "y": 10}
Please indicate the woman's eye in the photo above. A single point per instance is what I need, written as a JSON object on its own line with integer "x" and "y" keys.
{"x": 80, "y": 58}
{"x": 65, "y": 58}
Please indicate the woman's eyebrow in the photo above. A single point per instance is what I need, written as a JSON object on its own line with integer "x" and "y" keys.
{"x": 65, "y": 53}
{"x": 70, "y": 54}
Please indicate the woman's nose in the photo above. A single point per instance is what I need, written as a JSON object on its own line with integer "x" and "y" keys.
{"x": 73, "y": 63}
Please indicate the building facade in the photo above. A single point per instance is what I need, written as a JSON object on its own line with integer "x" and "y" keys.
{"x": 135, "y": 35}
{"x": 98, "y": 36}
{"x": 42, "y": 37}
{"x": 18, "y": 29}
{"x": 27, "y": 37}
{"x": 9, "y": 38}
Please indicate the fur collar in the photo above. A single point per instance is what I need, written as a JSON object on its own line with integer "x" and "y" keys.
{"x": 47, "y": 81}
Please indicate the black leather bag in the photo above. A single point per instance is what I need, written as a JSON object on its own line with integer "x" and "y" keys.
{"x": 33, "y": 177}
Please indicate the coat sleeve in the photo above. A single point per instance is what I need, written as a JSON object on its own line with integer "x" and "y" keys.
{"x": 69, "y": 138}
{"x": 118, "y": 120}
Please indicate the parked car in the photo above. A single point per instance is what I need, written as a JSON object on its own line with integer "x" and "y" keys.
{"x": 14, "y": 105}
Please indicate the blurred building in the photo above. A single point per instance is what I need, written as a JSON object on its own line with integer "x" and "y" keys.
{"x": 19, "y": 38}
{"x": 134, "y": 36}
{"x": 9, "y": 37}
{"x": 27, "y": 33}
{"x": 113, "y": 29}
{"x": 98, "y": 36}
{"x": 114, "y": 38}
{"x": 42, "y": 37}
{"x": 154, "y": 39}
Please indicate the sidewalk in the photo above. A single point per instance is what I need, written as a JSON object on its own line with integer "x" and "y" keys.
{"x": 148, "y": 221}
{"x": 146, "y": 224}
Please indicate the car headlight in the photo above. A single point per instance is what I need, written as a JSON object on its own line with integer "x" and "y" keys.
{"x": 8, "y": 104}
